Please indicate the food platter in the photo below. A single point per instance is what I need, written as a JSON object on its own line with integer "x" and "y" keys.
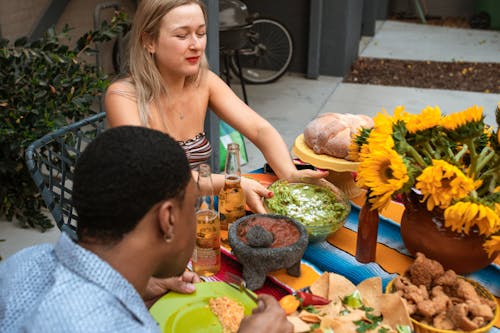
{"x": 176, "y": 312}
{"x": 340, "y": 169}
{"x": 322, "y": 161}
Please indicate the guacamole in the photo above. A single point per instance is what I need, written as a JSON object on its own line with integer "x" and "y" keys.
{"x": 312, "y": 205}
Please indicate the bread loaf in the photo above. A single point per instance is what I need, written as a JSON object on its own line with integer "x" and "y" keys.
{"x": 331, "y": 133}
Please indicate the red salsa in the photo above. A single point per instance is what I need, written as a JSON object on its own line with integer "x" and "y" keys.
{"x": 285, "y": 232}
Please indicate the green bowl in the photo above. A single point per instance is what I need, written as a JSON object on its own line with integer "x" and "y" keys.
{"x": 316, "y": 203}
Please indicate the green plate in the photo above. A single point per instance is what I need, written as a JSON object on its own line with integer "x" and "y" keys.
{"x": 176, "y": 312}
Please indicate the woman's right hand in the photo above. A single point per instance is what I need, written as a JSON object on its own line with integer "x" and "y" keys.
{"x": 254, "y": 191}
{"x": 267, "y": 317}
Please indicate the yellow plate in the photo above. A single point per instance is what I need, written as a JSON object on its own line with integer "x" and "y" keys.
{"x": 179, "y": 313}
{"x": 306, "y": 154}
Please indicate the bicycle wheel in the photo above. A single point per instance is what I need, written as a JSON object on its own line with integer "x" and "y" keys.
{"x": 267, "y": 53}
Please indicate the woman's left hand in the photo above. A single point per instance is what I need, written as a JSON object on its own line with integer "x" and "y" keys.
{"x": 254, "y": 191}
{"x": 158, "y": 287}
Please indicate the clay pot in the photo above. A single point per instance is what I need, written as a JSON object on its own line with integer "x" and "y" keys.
{"x": 424, "y": 231}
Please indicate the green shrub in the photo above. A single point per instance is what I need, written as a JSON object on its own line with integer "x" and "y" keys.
{"x": 44, "y": 85}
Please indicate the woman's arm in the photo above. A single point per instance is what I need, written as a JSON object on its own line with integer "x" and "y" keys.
{"x": 231, "y": 109}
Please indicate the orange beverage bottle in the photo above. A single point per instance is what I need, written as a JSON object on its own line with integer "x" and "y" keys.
{"x": 366, "y": 242}
{"x": 231, "y": 197}
{"x": 206, "y": 256}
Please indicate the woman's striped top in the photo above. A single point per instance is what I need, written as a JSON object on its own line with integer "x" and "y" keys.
{"x": 198, "y": 150}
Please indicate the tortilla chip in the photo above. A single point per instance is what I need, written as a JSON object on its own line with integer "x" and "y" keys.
{"x": 339, "y": 287}
{"x": 332, "y": 309}
{"x": 339, "y": 325}
{"x": 320, "y": 286}
{"x": 393, "y": 309}
{"x": 299, "y": 326}
{"x": 309, "y": 317}
{"x": 369, "y": 290}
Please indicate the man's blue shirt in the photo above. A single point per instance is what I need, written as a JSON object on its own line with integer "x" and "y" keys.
{"x": 65, "y": 288}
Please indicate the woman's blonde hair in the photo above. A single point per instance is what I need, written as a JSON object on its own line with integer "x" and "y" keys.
{"x": 144, "y": 74}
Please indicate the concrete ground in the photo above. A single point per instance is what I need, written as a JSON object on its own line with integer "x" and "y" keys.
{"x": 291, "y": 102}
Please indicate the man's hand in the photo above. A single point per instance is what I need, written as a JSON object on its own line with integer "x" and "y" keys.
{"x": 267, "y": 317}
{"x": 158, "y": 287}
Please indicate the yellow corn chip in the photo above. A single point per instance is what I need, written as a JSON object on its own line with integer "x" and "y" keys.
{"x": 309, "y": 317}
{"x": 339, "y": 287}
{"x": 393, "y": 309}
{"x": 369, "y": 290}
{"x": 320, "y": 286}
{"x": 299, "y": 326}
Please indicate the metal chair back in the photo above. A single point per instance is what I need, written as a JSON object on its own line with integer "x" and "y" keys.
{"x": 51, "y": 164}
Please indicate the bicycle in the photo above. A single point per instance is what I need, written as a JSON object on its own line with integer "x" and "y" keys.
{"x": 267, "y": 53}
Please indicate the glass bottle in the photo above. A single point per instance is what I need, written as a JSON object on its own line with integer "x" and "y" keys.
{"x": 206, "y": 256}
{"x": 231, "y": 197}
{"x": 366, "y": 242}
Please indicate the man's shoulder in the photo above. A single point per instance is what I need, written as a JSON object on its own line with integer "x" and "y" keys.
{"x": 31, "y": 263}
{"x": 24, "y": 278}
{"x": 73, "y": 304}
{"x": 85, "y": 308}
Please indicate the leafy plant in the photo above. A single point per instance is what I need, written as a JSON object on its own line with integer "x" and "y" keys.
{"x": 44, "y": 85}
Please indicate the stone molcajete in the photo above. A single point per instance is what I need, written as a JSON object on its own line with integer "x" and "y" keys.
{"x": 264, "y": 243}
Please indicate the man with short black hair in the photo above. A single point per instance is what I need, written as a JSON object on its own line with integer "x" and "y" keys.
{"x": 135, "y": 199}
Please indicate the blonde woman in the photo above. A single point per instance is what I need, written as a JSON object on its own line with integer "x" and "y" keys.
{"x": 169, "y": 88}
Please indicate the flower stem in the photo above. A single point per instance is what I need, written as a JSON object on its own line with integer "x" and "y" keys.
{"x": 432, "y": 153}
{"x": 413, "y": 152}
{"x": 473, "y": 157}
{"x": 484, "y": 157}
{"x": 461, "y": 153}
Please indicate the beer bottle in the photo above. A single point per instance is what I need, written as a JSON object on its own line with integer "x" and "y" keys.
{"x": 206, "y": 255}
{"x": 231, "y": 197}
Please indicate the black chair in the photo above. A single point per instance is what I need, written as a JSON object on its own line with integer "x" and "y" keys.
{"x": 51, "y": 164}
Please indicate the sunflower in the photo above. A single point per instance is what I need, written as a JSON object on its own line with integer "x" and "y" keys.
{"x": 442, "y": 182}
{"x": 461, "y": 118}
{"x": 464, "y": 125}
{"x": 452, "y": 160}
{"x": 357, "y": 143}
{"x": 492, "y": 245}
{"x": 464, "y": 215}
{"x": 384, "y": 172}
{"x": 382, "y": 131}
{"x": 430, "y": 117}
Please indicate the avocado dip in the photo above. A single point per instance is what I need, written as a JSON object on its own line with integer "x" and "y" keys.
{"x": 312, "y": 205}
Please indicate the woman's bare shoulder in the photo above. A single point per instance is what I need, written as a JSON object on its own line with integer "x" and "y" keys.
{"x": 122, "y": 87}
{"x": 211, "y": 77}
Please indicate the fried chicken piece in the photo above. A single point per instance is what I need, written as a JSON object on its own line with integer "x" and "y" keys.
{"x": 465, "y": 291}
{"x": 458, "y": 314}
{"x": 480, "y": 310}
{"x": 423, "y": 271}
{"x": 449, "y": 278}
{"x": 441, "y": 321}
{"x": 410, "y": 291}
{"x": 439, "y": 302}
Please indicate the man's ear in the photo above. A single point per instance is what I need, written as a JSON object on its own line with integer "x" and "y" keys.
{"x": 167, "y": 220}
